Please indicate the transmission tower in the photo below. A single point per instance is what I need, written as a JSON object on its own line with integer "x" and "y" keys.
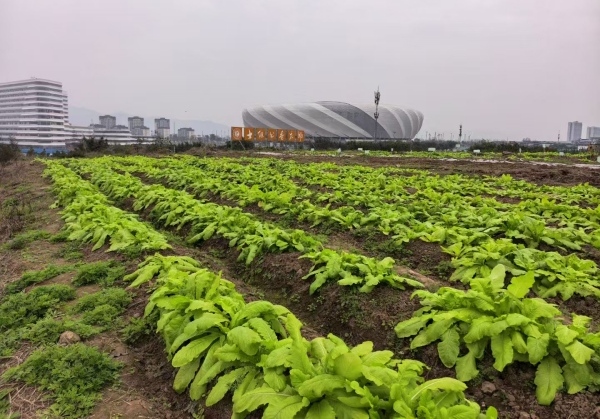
{"x": 376, "y": 114}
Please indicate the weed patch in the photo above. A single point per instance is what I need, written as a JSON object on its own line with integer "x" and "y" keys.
{"x": 74, "y": 376}
{"x": 101, "y": 273}
{"x": 15, "y": 213}
{"x": 25, "y": 308}
{"x": 20, "y": 241}
{"x": 102, "y": 308}
{"x": 49, "y": 330}
{"x": 138, "y": 328}
{"x": 35, "y": 277}
{"x": 71, "y": 251}
{"x": 60, "y": 237}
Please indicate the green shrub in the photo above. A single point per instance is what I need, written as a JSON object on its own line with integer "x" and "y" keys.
{"x": 73, "y": 375}
{"x": 25, "y": 308}
{"x": 103, "y": 273}
{"x": 35, "y": 277}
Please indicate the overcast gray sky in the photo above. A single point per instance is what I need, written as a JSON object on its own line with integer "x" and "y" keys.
{"x": 504, "y": 68}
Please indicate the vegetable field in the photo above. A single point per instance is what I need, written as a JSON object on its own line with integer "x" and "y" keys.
{"x": 288, "y": 288}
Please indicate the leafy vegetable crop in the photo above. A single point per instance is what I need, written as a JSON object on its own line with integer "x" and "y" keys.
{"x": 256, "y": 351}
{"x": 516, "y": 328}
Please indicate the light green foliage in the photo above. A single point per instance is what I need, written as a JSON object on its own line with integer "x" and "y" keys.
{"x": 73, "y": 376}
{"x": 445, "y": 209}
{"x": 89, "y": 217}
{"x": 176, "y": 208}
{"x": 514, "y": 327}
{"x": 35, "y": 277}
{"x": 553, "y": 273}
{"x": 256, "y": 351}
{"x": 354, "y": 269}
{"x": 102, "y": 273}
{"x": 482, "y": 234}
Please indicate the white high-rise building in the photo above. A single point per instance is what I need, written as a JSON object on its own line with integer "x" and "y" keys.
{"x": 135, "y": 122}
{"x": 593, "y": 133}
{"x": 574, "y": 132}
{"x": 35, "y": 113}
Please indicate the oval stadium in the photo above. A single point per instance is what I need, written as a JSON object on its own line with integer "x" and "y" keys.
{"x": 337, "y": 120}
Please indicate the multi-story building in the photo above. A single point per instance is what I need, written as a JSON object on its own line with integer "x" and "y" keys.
{"x": 163, "y": 132}
{"x": 574, "y": 132}
{"x": 108, "y": 121}
{"x": 135, "y": 122}
{"x": 162, "y": 123}
{"x": 116, "y": 134}
{"x": 162, "y": 127}
{"x": 33, "y": 113}
{"x": 186, "y": 133}
{"x": 76, "y": 134}
{"x": 593, "y": 133}
{"x": 141, "y": 131}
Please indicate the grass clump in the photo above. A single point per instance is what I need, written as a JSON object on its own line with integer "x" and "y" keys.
{"x": 25, "y": 308}
{"x": 132, "y": 252}
{"x": 102, "y": 308}
{"x": 20, "y": 241}
{"x": 73, "y": 375}
{"x": 70, "y": 251}
{"x": 9, "y": 342}
{"x": 49, "y": 330}
{"x": 137, "y": 328}
{"x": 60, "y": 237}
{"x": 35, "y": 277}
{"x": 102, "y": 273}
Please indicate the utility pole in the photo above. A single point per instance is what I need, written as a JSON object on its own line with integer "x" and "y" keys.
{"x": 376, "y": 114}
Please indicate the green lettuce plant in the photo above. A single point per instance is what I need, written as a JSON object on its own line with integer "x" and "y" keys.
{"x": 515, "y": 328}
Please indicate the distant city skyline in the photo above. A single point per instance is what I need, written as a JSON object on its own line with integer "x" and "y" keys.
{"x": 502, "y": 68}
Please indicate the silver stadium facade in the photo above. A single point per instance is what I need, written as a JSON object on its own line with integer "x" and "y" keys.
{"x": 337, "y": 120}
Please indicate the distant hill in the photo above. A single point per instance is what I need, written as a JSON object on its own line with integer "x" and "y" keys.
{"x": 83, "y": 116}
